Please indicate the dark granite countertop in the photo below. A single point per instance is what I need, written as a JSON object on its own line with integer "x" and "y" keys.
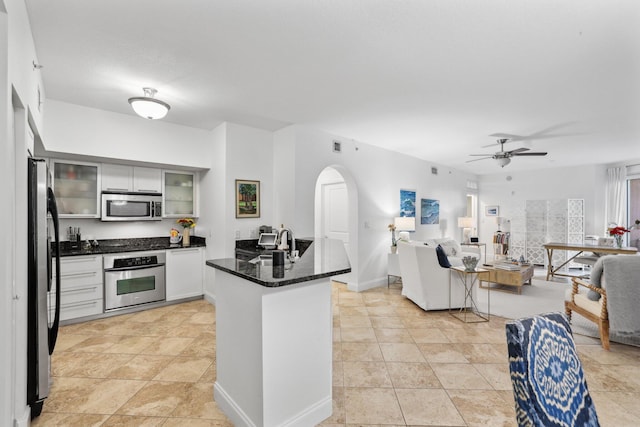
{"x": 323, "y": 258}
{"x": 109, "y": 246}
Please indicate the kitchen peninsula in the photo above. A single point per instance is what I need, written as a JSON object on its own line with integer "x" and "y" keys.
{"x": 274, "y": 337}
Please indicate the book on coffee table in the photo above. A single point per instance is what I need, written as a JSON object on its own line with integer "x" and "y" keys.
{"x": 506, "y": 266}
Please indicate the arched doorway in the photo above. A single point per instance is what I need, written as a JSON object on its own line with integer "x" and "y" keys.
{"x": 336, "y": 214}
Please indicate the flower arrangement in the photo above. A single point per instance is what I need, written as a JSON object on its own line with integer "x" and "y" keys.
{"x": 392, "y": 229}
{"x": 617, "y": 233}
{"x": 186, "y": 222}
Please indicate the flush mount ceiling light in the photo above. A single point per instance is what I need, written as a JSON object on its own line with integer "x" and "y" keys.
{"x": 147, "y": 106}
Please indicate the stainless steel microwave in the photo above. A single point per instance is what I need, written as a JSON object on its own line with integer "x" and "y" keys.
{"x": 117, "y": 206}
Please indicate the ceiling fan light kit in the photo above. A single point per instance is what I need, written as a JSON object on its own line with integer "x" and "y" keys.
{"x": 503, "y": 161}
{"x": 148, "y": 106}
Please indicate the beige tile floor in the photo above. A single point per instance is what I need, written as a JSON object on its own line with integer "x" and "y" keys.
{"x": 394, "y": 365}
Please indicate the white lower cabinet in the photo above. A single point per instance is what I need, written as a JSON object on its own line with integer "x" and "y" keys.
{"x": 81, "y": 287}
{"x": 185, "y": 273}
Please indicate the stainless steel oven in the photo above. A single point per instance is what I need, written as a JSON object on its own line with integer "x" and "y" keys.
{"x": 133, "y": 278}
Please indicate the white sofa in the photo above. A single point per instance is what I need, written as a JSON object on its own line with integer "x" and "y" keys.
{"x": 423, "y": 280}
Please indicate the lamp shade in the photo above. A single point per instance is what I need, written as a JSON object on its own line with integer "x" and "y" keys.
{"x": 405, "y": 223}
{"x": 149, "y": 107}
{"x": 465, "y": 222}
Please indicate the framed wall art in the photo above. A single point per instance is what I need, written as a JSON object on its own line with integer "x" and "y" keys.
{"x": 408, "y": 203}
{"x": 247, "y": 199}
{"x": 492, "y": 211}
{"x": 429, "y": 211}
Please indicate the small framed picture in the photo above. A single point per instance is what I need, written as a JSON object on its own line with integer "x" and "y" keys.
{"x": 247, "y": 199}
{"x": 492, "y": 211}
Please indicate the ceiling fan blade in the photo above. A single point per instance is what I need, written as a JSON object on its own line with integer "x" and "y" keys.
{"x": 517, "y": 150}
{"x": 541, "y": 134}
{"x": 486, "y": 155}
{"x": 475, "y": 160}
{"x": 529, "y": 154}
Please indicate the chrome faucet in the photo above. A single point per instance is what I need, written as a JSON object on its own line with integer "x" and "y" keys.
{"x": 292, "y": 248}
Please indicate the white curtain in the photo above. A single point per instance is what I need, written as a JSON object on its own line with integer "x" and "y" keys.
{"x": 615, "y": 196}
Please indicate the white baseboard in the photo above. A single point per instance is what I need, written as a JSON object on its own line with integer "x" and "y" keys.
{"x": 369, "y": 284}
{"x": 311, "y": 416}
{"x": 24, "y": 420}
{"x": 210, "y": 298}
{"x": 230, "y": 408}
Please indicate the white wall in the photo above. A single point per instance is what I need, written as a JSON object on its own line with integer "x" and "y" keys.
{"x": 249, "y": 156}
{"x": 213, "y": 207}
{"x": 583, "y": 182}
{"x": 97, "y": 133}
{"x": 235, "y": 152}
{"x": 7, "y": 217}
{"x": 379, "y": 175}
{"x": 25, "y": 80}
{"x": 19, "y": 83}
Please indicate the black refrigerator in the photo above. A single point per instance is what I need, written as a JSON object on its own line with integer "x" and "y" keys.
{"x": 43, "y": 313}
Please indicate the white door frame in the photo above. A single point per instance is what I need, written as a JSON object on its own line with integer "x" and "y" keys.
{"x": 352, "y": 202}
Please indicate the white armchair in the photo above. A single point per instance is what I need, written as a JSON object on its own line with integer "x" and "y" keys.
{"x": 423, "y": 280}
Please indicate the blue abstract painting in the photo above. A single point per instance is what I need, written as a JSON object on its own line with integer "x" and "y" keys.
{"x": 430, "y": 211}
{"x": 408, "y": 203}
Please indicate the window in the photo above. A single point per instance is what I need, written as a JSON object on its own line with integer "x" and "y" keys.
{"x": 633, "y": 209}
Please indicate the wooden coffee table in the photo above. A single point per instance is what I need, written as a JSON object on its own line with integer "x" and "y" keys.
{"x": 506, "y": 278}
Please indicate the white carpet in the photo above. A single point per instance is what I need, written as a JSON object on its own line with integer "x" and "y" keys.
{"x": 542, "y": 297}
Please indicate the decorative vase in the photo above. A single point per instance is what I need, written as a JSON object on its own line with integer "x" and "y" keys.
{"x": 394, "y": 249}
{"x": 186, "y": 237}
{"x": 470, "y": 263}
{"x": 618, "y": 239}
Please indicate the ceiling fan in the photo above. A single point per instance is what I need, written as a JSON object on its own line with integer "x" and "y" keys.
{"x": 504, "y": 157}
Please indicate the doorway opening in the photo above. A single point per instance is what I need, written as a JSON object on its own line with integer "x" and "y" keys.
{"x": 336, "y": 215}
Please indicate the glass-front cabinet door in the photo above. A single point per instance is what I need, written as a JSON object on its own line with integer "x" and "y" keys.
{"x": 77, "y": 188}
{"x": 180, "y": 194}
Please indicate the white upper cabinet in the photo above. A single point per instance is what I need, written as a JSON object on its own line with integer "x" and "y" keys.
{"x": 131, "y": 178}
{"x": 180, "y": 194}
{"x": 116, "y": 177}
{"x": 147, "y": 180}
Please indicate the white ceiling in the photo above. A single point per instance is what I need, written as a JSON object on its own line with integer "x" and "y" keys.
{"x": 432, "y": 79}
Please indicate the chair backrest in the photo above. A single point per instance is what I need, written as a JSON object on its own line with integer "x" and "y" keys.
{"x": 547, "y": 377}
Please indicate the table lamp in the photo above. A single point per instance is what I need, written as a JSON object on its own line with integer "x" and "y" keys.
{"x": 466, "y": 223}
{"x": 404, "y": 224}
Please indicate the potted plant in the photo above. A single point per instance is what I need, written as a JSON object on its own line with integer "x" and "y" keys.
{"x": 394, "y": 242}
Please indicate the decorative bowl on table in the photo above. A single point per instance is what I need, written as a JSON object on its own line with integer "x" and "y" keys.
{"x": 470, "y": 263}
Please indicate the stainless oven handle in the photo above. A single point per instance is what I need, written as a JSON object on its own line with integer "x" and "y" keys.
{"x": 142, "y": 267}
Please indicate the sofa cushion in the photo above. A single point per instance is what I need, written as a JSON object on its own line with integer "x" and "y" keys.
{"x": 442, "y": 257}
{"x": 451, "y": 247}
{"x": 596, "y": 280}
{"x": 582, "y": 300}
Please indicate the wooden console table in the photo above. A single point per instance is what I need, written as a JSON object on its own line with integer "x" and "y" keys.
{"x": 579, "y": 248}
